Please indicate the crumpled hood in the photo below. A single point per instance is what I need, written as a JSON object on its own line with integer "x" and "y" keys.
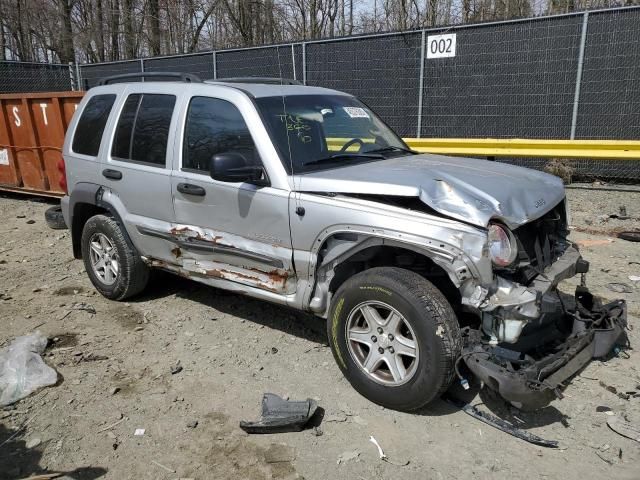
{"x": 471, "y": 190}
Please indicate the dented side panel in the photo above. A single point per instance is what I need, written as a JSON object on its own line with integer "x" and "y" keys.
{"x": 238, "y": 233}
{"x": 458, "y": 248}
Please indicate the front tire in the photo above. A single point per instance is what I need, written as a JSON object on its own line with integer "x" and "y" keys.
{"x": 394, "y": 336}
{"x": 114, "y": 268}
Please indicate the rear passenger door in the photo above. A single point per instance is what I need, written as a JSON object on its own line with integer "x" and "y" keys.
{"x": 137, "y": 165}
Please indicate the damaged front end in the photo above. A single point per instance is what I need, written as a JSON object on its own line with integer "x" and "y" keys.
{"x": 532, "y": 372}
{"x": 534, "y": 338}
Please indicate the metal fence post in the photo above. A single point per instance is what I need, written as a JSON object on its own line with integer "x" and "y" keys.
{"x": 293, "y": 61}
{"x": 304, "y": 63}
{"x": 71, "y": 79}
{"x": 215, "y": 66}
{"x": 78, "y": 76}
{"x": 576, "y": 97}
{"x": 142, "y": 68}
{"x": 421, "y": 85}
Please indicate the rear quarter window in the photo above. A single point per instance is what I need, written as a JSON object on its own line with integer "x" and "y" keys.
{"x": 88, "y": 134}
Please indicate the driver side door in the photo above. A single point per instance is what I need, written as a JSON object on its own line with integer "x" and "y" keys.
{"x": 234, "y": 232}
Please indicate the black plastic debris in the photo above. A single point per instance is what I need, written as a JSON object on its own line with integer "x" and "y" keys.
{"x": 279, "y": 415}
{"x": 501, "y": 424}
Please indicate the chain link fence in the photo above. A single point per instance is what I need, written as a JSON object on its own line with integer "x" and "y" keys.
{"x": 17, "y": 77}
{"x": 571, "y": 76}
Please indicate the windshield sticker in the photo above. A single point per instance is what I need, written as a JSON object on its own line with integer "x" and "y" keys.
{"x": 356, "y": 112}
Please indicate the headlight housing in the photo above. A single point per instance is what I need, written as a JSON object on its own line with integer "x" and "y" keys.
{"x": 503, "y": 247}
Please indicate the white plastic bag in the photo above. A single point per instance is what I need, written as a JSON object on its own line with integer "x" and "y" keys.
{"x": 22, "y": 370}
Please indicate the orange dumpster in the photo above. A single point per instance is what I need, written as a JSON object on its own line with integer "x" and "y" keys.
{"x": 32, "y": 128}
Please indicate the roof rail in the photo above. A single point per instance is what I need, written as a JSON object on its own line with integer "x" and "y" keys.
{"x": 267, "y": 80}
{"x": 184, "y": 77}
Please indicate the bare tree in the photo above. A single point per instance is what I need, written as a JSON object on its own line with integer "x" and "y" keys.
{"x": 99, "y": 30}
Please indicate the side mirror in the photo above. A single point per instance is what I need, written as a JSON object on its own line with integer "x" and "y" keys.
{"x": 233, "y": 167}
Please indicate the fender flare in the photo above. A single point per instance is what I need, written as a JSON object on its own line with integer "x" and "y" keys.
{"x": 90, "y": 194}
{"x": 450, "y": 258}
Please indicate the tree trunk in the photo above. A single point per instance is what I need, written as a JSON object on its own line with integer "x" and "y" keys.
{"x": 100, "y": 30}
{"x": 129, "y": 29}
{"x": 154, "y": 27}
{"x": 67, "y": 54}
{"x": 21, "y": 47}
{"x": 2, "y": 37}
{"x": 115, "y": 26}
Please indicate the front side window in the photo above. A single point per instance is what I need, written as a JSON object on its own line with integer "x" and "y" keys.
{"x": 215, "y": 126}
{"x": 143, "y": 129}
{"x": 88, "y": 134}
{"x": 314, "y": 132}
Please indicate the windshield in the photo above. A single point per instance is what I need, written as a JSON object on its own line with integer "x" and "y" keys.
{"x": 313, "y": 132}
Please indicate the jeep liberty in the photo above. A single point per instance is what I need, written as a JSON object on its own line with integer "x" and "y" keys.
{"x": 428, "y": 269}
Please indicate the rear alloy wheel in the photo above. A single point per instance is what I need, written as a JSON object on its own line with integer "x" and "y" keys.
{"x": 114, "y": 267}
{"x": 394, "y": 336}
{"x": 104, "y": 258}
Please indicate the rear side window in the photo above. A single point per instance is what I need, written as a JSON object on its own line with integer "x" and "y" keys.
{"x": 88, "y": 134}
{"x": 215, "y": 126}
{"x": 143, "y": 129}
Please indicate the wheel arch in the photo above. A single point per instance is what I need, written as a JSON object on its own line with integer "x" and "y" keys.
{"x": 342, "y": 254}
{"x": 86, "y": 200}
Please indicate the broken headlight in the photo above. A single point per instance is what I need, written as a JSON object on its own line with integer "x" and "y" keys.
{"x": 503, "y": 248}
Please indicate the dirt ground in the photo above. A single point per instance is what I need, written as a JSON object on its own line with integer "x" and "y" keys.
{"x": 114, "y": 368}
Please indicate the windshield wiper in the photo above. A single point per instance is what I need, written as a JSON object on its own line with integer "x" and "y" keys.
{"x": 338, "y": 156}
{"x": 393, "y": 148}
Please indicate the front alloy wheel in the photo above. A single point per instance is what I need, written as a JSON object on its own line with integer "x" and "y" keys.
{"x": 382, "y": 343}
{"x": 394, "y": 336}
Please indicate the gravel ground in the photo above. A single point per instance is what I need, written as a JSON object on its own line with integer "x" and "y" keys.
{"x": 114, "y": 368}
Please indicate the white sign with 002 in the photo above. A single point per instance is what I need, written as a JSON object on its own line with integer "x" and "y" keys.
{"x": 441, "y": 46}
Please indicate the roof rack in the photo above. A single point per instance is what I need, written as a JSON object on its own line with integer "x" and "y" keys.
{"x": 184, "y": 77}
{"x": 267, "y": 80}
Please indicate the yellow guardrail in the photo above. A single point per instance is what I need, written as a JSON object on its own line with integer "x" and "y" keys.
{"x": 516, "y": 147}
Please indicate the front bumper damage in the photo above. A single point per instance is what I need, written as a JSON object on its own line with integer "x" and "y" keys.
{"x": 527, "y": 350}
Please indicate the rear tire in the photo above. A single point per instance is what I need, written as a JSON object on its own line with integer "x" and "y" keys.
{"x": 400, "y": 309}
{"x": 114, "y": 268}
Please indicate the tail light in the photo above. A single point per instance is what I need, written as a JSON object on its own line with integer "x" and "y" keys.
{"x": 63, "y": 175}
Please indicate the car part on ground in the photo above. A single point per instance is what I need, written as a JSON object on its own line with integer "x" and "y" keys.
{"x": 501, "y": 424}
{"x": 630, "y": 236}
{"x": 623, "y": 428}
{"x": 280, "y": 415}
{"x": 54, "y": 218}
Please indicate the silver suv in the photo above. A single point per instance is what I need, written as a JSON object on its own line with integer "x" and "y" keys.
{"x": 427, "y": 268}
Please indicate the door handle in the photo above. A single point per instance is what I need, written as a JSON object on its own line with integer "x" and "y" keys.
{"x": 112, "y": 174}
{"x": 190, "y": 189}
